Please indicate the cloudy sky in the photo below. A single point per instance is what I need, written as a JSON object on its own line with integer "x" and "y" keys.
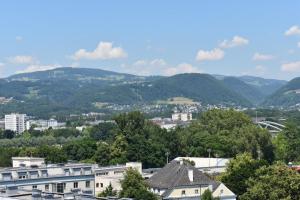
{"x": 260, "y": 38}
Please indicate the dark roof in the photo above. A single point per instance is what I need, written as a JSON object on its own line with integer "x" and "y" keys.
{"x": 175, "y": 174}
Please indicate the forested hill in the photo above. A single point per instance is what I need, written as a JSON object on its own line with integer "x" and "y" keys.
{"x": 288, "y": 95}
{"x": 69, "y": 90}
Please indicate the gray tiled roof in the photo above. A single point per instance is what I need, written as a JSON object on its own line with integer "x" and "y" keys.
{"x": 175, "y": 174}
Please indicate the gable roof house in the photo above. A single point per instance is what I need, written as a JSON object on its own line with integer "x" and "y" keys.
{"x": 179, "y": 180}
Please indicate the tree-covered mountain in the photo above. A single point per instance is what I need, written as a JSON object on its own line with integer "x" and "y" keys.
{"x": 69, "y": 90}
{"x": 249, "y": 92}
{"x": 286, "y": 96}
{"x": 265, "y": 86}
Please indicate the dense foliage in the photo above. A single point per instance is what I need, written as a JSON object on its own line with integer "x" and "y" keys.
{"x": 273, "y": 182}
{"x": 134, "y": 186}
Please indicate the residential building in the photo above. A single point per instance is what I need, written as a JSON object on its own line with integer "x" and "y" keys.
{"x": 42, "y": 124}
{"x": 181, "y": 181}
{"x": 27, "y": 162}
{"x": 182, "y": 117}
{"x": 50, "y": 178}
{"x": 15, "y": 122}
{"x": 207, "y": 165}
{"x": 30, "y": 173}
{"x": 113, "y": 175}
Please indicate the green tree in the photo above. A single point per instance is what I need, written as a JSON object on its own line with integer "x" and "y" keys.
{"x": 134, "y": 186}
{"x": 273, "y": 182}
{"x": 102, "y": 155}
{"x": 80, "y": 149}
{"x": 108, "y": 192}
{"x": 281, "y": 147}
{"x": 207, "y": 195}
{"x": 119, "y": 150}
{"x": 238, "y": 171}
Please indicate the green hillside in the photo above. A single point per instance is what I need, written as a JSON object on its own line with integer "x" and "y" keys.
{"x": 69, "y": 90}
{"x": 288, "y": 95}
{"x": 249, "y": 92}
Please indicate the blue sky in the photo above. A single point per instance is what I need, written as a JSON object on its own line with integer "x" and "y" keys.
{"x": 260, "y": 38}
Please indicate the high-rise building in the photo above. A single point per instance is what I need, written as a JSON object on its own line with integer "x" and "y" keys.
{"x": 15, "y": 122}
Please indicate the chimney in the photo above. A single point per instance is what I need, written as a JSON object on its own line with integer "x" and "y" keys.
{"x": 191, "y": 175}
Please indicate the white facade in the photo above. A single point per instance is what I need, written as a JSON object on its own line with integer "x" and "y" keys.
{"x": 208, "y": 165}
{"x": 15, "y": 122}
{"x": 113, "y": 176}
{"x": 27, "y": 161}
{"x": 32, "y": 173}
{"x": 42, "y": 124}
{"x": 182, "y": 117}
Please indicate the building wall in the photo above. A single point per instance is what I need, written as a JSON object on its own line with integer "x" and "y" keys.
{"x": 27, "y": 161}
{"x": 15, "y": 122}
{"x": 189, "y": 192}
{"x": 113, "y": 176}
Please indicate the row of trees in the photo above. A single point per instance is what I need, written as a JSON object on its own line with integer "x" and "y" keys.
{"x": 133, "y": 138}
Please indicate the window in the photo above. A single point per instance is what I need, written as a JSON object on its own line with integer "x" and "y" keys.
{"x": 196, "y": 191}
{"x": 22, "y": 177}
{"x": 34, "y": 187}
{"x": 60, "y": 187}
{"x": 97, "y": 185}
{"x": 75, "y": 184}
{"x": 102, "y": 174}
{"x": 101, "y": 184}
{"x": 47, "y": 187}
{"x": 183, "y": 193}
{"x": 87, "y": 184}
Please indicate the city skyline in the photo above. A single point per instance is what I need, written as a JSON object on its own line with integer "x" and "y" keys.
{"x": 162, "y": 38}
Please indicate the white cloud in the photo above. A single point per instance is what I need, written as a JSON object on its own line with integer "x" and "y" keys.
{"x": 75, "y": 64}
{"x": 181, "y": 68}
{"x": 298, "y": 44}
{"x": 140, "y": 63}
{"x": 146, "y": 67}
{"x": 158, "y": 67}
{"x": 215, "y": 54}
{"x": 2, "y": 64}
{"x": 37, "y": 67}
{"x": 21, "y": 60}
{"x": 260, "y": 70}
{"x": 235, "y": 42}
{"x": 294, "y": 30}
{"x": 259, "y": 56}
{"x": 19, "y": 38}
{"x": 103, "y": 51}
{"x": 291, "y": 67}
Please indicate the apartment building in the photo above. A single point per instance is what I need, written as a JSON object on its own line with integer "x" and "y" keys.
{"x": 15, "y": 122}
{"x": 113, "y": 175}
{"x": 85, "y": 179}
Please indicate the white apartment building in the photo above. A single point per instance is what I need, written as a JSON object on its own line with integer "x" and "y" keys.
{"x": 15, "y": 122}
{"x": 182, "y": 117}
{"x": 42, "y": 124}
{"x": 30, "y": 173}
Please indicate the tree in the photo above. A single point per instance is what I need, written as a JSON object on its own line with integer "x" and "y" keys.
{"x": 102, "y": 155}
{"x": 108, "y": 192}
{"x": 8, "y": 134}
{"x": 80, "y": 149}
{"x": 119, "y": 150}
{"x": 207, "y": 195}
{"x": 133, "y": 186}
{"x": 239, "y": 170}
{"x": 273, "y": 182}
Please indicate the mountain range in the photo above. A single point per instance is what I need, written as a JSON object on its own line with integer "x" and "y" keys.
{"x": 67, "y": 89}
